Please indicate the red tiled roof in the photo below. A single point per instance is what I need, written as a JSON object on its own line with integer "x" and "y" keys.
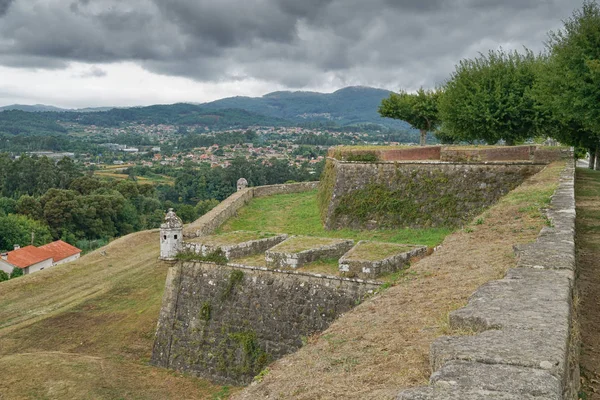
{"x": 26, "y": 256}
{"x": 59, "y": 250}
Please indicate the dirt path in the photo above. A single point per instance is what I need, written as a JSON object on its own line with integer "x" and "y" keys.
{"x": 587, "y": 193}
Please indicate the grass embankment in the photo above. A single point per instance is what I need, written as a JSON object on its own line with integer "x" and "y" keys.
{"x": 298, "y": 214}
{"x": 587, "y": 194}
{"x": 382, "y": 346}
{"x": 231, "y": 238}
{"x": 85, "y": 330}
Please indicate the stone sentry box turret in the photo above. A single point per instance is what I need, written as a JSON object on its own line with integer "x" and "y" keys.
{"x": 242, "y": 184}
{"x": 171, "y": 236}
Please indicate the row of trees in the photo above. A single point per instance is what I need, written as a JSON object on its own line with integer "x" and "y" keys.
{"x": 514, "y": 96}
{"x": 41, "y": 200}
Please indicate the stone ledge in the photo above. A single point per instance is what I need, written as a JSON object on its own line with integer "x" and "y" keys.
{"x": 352, "y": 265}
{"x": 237, "y": 250}
{"x": 277, "y": 258}
{"x": 517, "y": 347}
{"x": 459, "y": 393}
{"x": 498, "y": 378}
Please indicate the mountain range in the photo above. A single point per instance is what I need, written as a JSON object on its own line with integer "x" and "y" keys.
{"x": 348, "y": 107}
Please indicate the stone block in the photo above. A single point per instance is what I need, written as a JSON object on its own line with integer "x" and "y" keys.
{"x": 372, "y": 259}
{"x": 525, "y": 299}
{"x": 298, "y": 251}
{"x": 545, "y": 350}
{"x": 497, "y": 378}
{"x": 451, "y": 393}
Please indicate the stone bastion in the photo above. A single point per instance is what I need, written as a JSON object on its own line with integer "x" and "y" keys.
{"x": 227, "y": 322}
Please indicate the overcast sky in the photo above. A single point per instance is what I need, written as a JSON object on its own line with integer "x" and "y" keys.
{"x": 79, "y": 53}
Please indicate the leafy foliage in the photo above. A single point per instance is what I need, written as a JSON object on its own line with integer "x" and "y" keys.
{"x": 18, "y": 229}
{"x": 569, "y": 82}
{"x": 420, "y": 110}
{"x": 16, "y": 272}
{"x": 489, "y": 98}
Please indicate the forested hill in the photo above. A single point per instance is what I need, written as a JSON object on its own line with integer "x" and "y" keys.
{"x": 349, "y": 106}
{"x": 17, "y": 122}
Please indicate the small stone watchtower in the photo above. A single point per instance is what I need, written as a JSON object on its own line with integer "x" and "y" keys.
{"x": 242, "y": 184}
{"x": 171, "y": 236}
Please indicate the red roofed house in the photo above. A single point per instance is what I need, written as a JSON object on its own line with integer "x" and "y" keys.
{"x": 32, "y": 259}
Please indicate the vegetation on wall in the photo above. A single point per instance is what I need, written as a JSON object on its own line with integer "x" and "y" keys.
{"x": 326, "y": 186}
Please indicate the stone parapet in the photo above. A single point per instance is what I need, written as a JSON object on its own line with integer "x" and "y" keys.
{"x": 524, "y": 347}
{"x": 277, "y": 257}
{"x": 237, "y": 250}
{"x": 353, "y": 265}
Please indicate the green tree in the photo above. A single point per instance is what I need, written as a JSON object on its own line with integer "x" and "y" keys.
{"x": 29, "y": 206}
{"x": 569, "y": 85}
{"x": 420, "y": 110}
{"x": 18, "y": 229}
{"x": 489, "y": 98}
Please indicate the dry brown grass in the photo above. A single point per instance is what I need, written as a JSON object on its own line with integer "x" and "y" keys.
{"x": 85, "y": 330}
{"x": 383, "y": 344}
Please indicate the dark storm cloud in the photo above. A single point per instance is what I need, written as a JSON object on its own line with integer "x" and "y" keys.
{"x": 387, "y": 43}
{"x": 4, "y": 4}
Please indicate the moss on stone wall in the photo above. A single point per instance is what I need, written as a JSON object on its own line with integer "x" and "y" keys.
{"x": 402, "y": 206}
{"x": 235, "y": 278}
{"x": 326, "y": 186}
{"x": 400, "y": 195}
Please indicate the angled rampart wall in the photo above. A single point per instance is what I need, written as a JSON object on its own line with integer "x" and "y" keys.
{"x": 414, "y": 194}
{"x": 226, "y": 323}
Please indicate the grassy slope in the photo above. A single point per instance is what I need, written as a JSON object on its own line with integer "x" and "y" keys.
{"x": 587, "y": 192}
{"x": 382, "y": 345}
{"x": 297, "y": 214}
{"x": 86, "y": 329}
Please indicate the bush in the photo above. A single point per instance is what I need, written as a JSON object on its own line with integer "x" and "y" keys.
{"x": 16, "y": 272}
{"x": 365, "y": 157}
{"x": 4, "y": 276}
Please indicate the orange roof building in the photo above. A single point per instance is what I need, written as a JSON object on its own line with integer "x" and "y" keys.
{"x": 60, "y": 251}
{"x": 32, "y": 259}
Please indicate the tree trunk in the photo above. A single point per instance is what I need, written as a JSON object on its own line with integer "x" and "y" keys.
{"x": 592, "y": 158}
{"x": 597, "y": 157}
{"x": 423, "y": 137}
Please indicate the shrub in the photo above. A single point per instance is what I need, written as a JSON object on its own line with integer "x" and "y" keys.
{"x": 16, "y": 272}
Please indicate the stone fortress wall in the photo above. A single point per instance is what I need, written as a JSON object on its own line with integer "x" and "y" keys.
{"x": 227, "y": 322}
{"x": 526, "y": 344}
{"x": 368, "y": 188}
